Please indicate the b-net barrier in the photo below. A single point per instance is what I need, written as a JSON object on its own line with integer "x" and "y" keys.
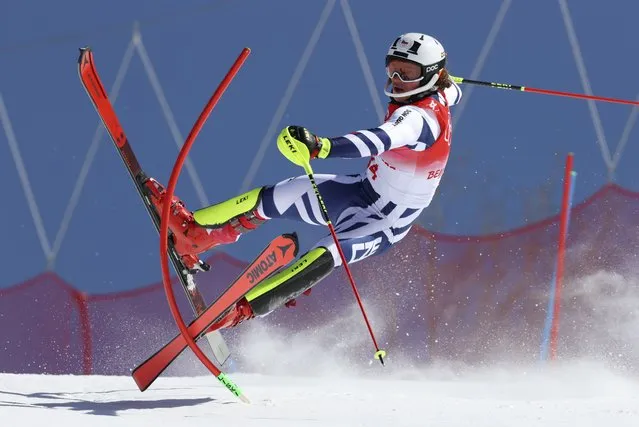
{"x": 469, "y": 299}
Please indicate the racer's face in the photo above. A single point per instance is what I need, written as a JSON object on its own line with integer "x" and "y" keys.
{"x": 404, "y": 75}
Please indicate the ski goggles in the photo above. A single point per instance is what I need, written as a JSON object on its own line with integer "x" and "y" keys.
{"x": 403, "y": 76}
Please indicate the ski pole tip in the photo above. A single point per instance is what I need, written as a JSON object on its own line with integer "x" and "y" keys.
{"x": 380, "y": 355}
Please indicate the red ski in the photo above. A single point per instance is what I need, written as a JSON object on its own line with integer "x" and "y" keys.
{"x": 180, "y": 250}
{"x": 98, "y": 95}
{"x": 282, "y": 250}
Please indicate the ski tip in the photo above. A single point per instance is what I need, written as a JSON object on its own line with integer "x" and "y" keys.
{"x": 83, "y": 50}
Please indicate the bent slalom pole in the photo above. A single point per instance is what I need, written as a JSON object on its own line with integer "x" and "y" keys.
{"x": 543, "y": 91}
{"x": 164, "y": 228}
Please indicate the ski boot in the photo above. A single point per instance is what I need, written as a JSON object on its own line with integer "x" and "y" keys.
{"x": 196, "y": 232}
{"x": 239, "y": 312}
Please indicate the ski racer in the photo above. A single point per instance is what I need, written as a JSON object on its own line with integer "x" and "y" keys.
{"x": 371, "y": 211}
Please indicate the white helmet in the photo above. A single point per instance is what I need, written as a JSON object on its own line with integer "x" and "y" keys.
{"x": 423, "y": 50}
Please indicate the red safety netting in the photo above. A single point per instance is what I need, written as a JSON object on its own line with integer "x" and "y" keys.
{"x": 472, "y": 299}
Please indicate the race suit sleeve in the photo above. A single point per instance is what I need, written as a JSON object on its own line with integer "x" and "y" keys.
{"x": 408, "y": 126}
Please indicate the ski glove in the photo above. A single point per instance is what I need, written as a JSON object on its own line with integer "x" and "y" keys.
{"x": 299, "y": 145}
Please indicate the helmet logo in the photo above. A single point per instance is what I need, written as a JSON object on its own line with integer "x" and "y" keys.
{"x": 402, "y": 43}
{"x": 434, "y": 67}
{"x": 414, "y": 48}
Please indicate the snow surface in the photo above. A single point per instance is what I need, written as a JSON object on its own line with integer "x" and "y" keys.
{"x": 580, "y": 394}
{"x": 320, "y": 378}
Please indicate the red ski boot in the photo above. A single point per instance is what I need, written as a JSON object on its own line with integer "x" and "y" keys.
{"x": 234, "y": 316}
{"x": 192, "y": 237}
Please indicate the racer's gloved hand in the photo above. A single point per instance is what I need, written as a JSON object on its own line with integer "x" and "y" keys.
{"x": 299, "y": 145}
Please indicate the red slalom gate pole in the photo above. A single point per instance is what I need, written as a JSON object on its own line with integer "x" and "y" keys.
{"x": 561, "y": 254}
{"x": 164, "y": 227}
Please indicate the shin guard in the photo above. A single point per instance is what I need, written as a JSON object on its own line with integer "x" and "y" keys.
{"x": 292, "y": 282}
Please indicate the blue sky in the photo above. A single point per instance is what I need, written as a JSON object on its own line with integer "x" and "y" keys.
{"x": 508, "y": 147}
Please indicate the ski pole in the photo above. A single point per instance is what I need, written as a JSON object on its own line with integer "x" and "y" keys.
{"x": 379, "y": 354}
{"x": 543, "y": 91}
